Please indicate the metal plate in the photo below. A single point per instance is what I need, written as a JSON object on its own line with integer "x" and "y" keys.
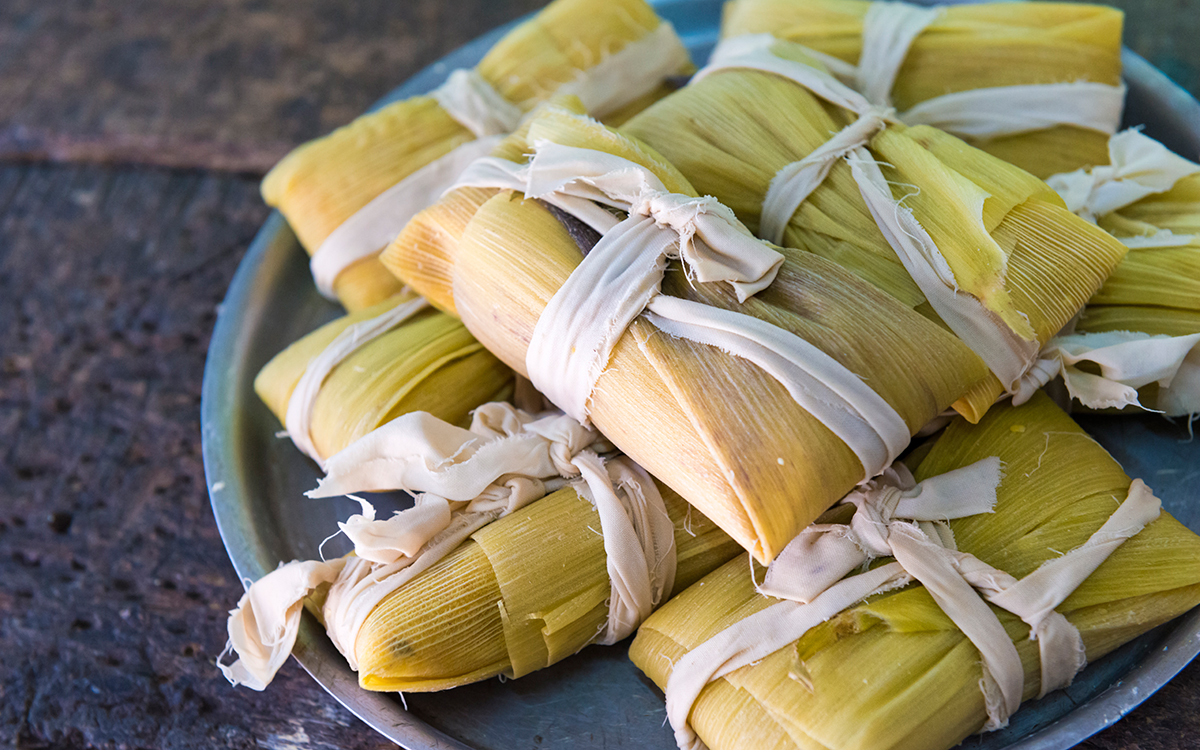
{"x": 598, "y": 698}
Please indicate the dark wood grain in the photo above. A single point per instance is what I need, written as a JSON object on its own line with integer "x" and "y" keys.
{"x": 114, "y": 585}
{"x": 221, "y": 84}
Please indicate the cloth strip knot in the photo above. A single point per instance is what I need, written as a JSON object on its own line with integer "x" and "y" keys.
{"x": 298, "y": 419}
{"x": 465, "y": 479}
{"x": 1127, "y": 360}
{"x": 621, "y": 275}
{"x": 1138, "y": 166}
{"x": 618, "y": 79}
{"x": 1006, "y": 353}
{"x": 951, "y": 577}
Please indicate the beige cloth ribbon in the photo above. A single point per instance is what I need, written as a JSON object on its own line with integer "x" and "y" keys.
{"x": 1007, "y": 354}
{"x": 951, "y": 577}
{"x": 298, "y": 419}
{"x": 1127, "y": 361}
{"x": 1138, "y": 166}
{"x": 465, "y": 480}
{"x": 616, "y": 80}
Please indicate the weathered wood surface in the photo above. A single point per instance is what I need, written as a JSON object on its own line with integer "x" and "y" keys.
{"x": 113, "y": 580}
{"x": 222, "y": 84}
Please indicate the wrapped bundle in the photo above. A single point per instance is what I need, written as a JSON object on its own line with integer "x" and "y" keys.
{"x": 483, "y": 576}
{"x": 828, "y": 377}
{"x": 905, "y": 667}
{"x": 1036, "y": 84}
{"x": 364, "y": 369}
{"x": 1136, "y": 343}
{"x": 914, "y": 210}
{"x": 348, "y": 194}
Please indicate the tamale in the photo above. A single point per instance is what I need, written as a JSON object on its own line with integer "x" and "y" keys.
{"x": 428, "y": 363}
{"x": 487, "y": 574}
{"x": 322, "y": 184}
{"x": 736, "y": 132}
{"x": 1135, "y": 344}
{"x": 522, "y": 594}
{"x": 827, "y": 690}
{"x": 970, "y": 47}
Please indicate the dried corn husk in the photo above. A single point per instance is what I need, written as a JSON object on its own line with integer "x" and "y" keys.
{"x": 324, "y": 182}
{"x": 717, "y": 429}
{"x": 525, "y": 592}
{"x": 970, "y": 47}
{"x": 829, "y": 691}
{"x": 1004, "y": 234}
{"x": 428, "y": 363}
{"x": 1140, "y": 330}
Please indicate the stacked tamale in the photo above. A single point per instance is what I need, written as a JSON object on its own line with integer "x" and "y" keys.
{"x": 322, "y": 184}
{"x": 920, "y": 277}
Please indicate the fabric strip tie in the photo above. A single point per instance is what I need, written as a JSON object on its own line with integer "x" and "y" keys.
{"x": 950, "y": 576}
{"x": 298, "y": 419}
{"x": 1127, "y": 360}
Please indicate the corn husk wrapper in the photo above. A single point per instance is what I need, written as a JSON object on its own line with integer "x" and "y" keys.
{"x": 428, "y": 363}
{"x": 521, "y": 594}
{"x": 717, "y": 429}
{"x": 1004, "y": 233}
{"x": 322, "y": 183}
{"x": 971, "y": 47}
{"x": 894, "y": 672}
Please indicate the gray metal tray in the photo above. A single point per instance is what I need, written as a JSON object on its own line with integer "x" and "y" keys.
{"x": 598, "y": 698}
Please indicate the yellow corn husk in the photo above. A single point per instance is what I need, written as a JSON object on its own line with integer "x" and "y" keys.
{"x": 1154, "y": 290}
{"x": 323, "y": 182}
{"x": 1004, "y": 233}
{"x": 715, "y": 428}
{"x": 429, "y": 363}
{"x": 971, "y": 47}
{"x": 422, "y": 254}
{"x": 894, "y": 672}
{"x": 523, "y": 593}
{"x": 1165, "y": 277}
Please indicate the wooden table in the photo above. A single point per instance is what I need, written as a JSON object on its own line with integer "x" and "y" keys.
{"x": 132, "y": 134}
